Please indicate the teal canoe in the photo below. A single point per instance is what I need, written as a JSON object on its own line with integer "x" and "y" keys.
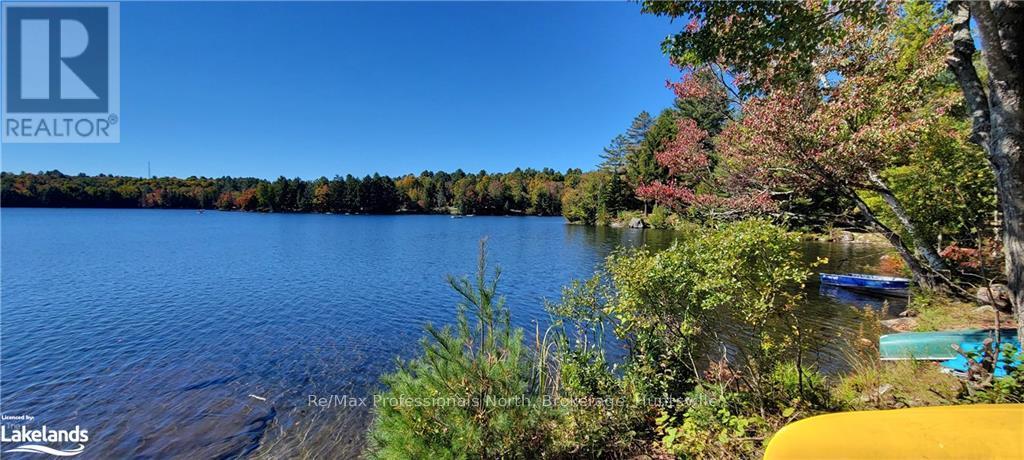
{"x": 934, "y": 346}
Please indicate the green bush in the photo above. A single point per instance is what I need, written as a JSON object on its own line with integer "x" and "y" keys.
{"x": 659, "y": 217}
{"x": 472, "y": 393}
{"x": 668, "y": 306}
{"x": 717, "y": 423}
{"x": 723, "y": 420}
{"x": 601, "y": 415}
{"x": 743, "y": 274}
{"x": 800, "y": 389}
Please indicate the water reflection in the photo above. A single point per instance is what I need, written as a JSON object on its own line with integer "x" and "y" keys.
{"x": 840, "y": 295}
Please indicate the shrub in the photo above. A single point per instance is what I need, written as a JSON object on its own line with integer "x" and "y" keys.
{"x": 717, "y": 423}
{"x": 721, "y": 420}
{"x": 659, "y": 217}
{"x": 743, "y": 274}
{"x": 796, "y": 389}
{"x": 602, "y": 416}
{"x": 667, "y": 306}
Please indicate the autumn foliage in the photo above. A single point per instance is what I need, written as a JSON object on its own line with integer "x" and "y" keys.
{"x": 838, "y": 133}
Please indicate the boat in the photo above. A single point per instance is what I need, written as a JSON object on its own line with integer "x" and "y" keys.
{"x": 935, "y": 346}
{"x": 958, "y": 365}
{"x": 874, "y": 283}
{"x": 939, "y": 432}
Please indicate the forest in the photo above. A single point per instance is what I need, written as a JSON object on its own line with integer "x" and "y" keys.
{"x": 520, "y": 192}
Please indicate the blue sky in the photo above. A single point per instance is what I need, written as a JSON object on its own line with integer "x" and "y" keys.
{"x": 269, "y": 89}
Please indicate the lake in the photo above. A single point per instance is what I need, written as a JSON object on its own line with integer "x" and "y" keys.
{"x": 175, "y": 333}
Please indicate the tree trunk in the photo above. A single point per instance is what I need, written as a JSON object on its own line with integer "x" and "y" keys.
{"x": 1012, "y": 197}
{"x": 922, "y": 276}
{"x": 926, "y": 250}
{"x": 998, "y": 121}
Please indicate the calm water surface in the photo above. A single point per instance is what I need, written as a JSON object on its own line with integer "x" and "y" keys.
{"x": 154, "y": 329}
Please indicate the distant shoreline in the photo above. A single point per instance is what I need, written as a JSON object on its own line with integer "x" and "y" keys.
{"x": 520, "y": 192}
{"x": 240, "y": 211}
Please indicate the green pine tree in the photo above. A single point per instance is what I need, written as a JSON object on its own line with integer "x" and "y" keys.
{"x": 472, "y": 393}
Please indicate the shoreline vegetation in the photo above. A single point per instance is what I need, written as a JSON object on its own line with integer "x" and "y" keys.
{"x": 555, "y": 393}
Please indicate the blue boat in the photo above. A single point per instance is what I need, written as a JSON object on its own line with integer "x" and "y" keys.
{"x": 872, "y": 283}
{"x": 958, "y": 365}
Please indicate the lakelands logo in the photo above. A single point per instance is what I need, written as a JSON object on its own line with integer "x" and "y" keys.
{"x": 33, "y": 440}
{"x": 61, "y": 72}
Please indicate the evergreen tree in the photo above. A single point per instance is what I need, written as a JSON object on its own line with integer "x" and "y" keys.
{"x": 478, "y": 367}
{"x": 638, "y": 129}
{"x": 353, "y": 191}
{"x": 642, "y": 167}
{"x": 710, "y": 110}
{"x": 614, "y": 157}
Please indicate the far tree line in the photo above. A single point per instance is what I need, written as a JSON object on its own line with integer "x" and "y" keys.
{"x": 520, "y": 192}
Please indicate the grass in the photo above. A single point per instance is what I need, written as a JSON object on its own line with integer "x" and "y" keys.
{"x": 936, "y": 313}
{"x": 895, "y": 384}
{"x": 876, "y": 384}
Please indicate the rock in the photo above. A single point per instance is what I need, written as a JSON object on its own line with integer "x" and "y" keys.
{"x": 900, "y": 324}
{"x": 847, "y": 236}
{"x": 999, "y": 292}
{"x": 637, "y": 222}
{"x": 983, "y": 309}
{"x": 877, "y": 393}
{"x": 617, "y": 224}
{"x": 843, "y": 236}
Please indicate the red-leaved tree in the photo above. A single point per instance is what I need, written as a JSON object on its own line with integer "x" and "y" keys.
{"x": 837, "y": 134}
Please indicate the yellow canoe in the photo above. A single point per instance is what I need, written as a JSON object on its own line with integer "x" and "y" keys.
{"x": 980, "y": 431}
